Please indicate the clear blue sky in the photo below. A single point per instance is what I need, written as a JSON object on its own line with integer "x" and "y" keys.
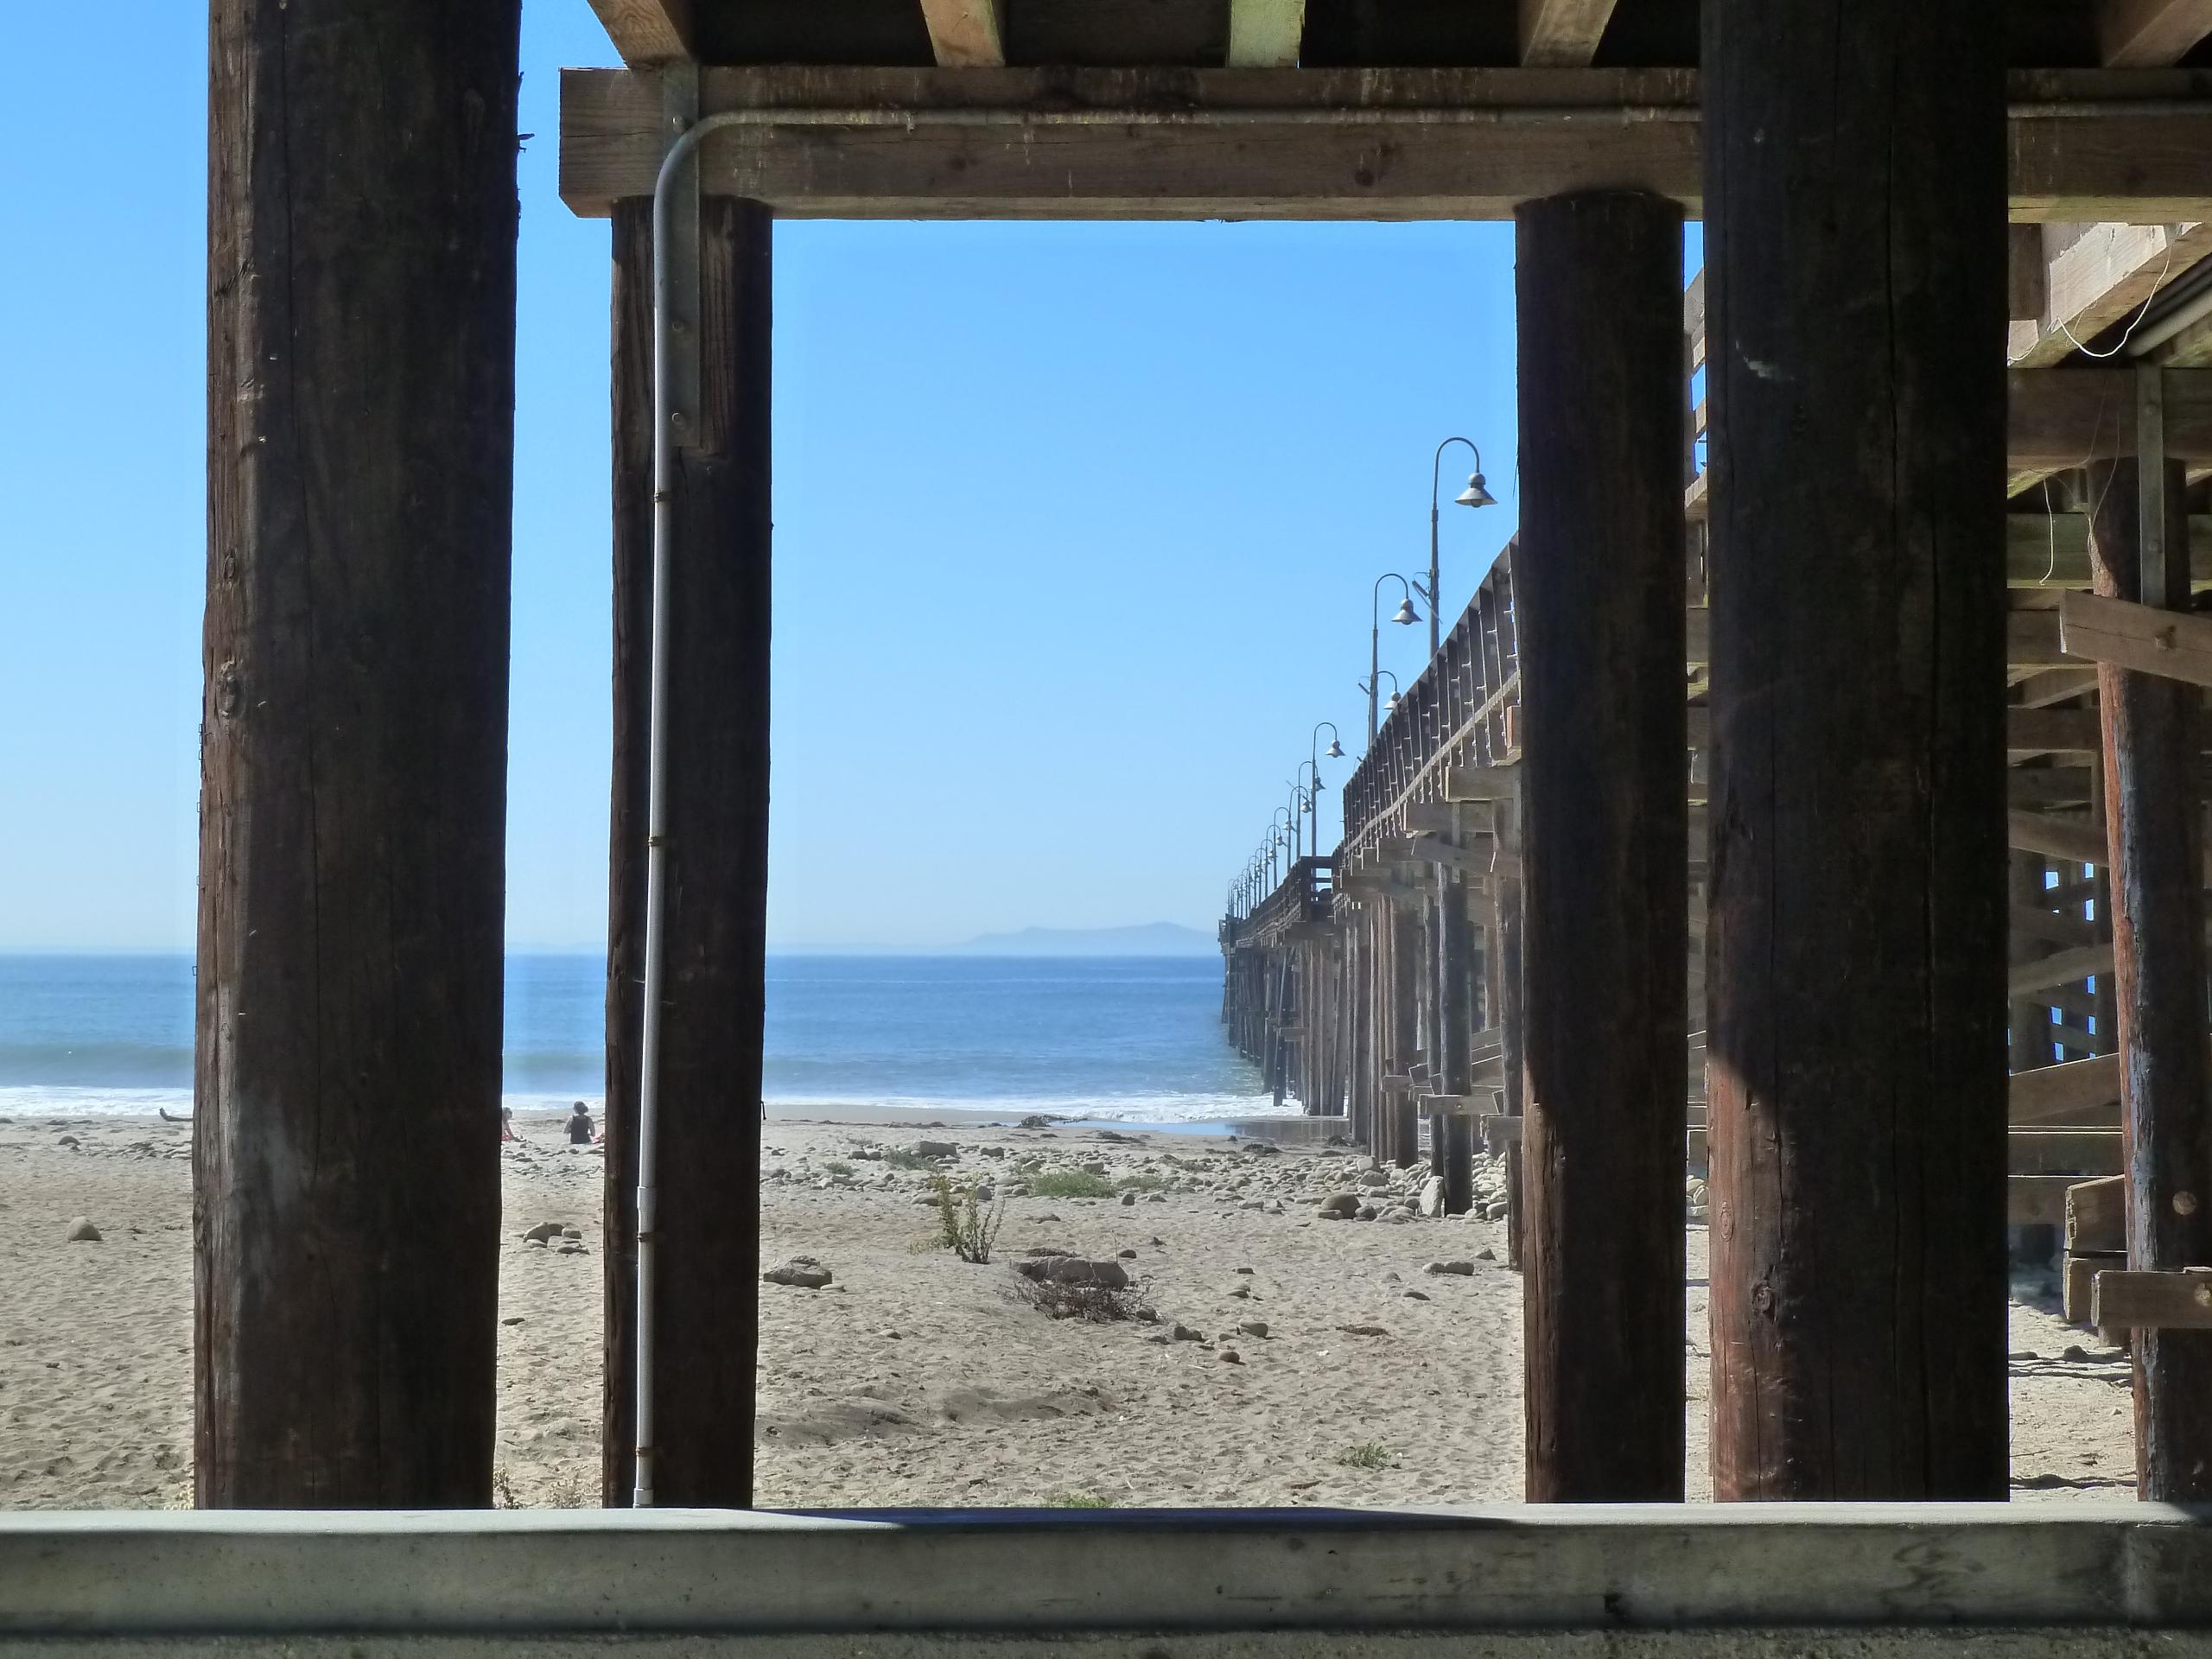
{"x": 1075, "y": 528}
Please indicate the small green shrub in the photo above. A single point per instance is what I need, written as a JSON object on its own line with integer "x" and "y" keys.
{"x": 1078, "y": 1501}
{"x": 1368, "y": 1454}
{"x": 900, "y": 1158}
{"x": 964, "y": 1227}
{"x": 1071, "y": 1184}
{"x": 838, "y": 1166}
{"x": 1144, "y": 1181}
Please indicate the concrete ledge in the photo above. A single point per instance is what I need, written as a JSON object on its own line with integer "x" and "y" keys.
{"x": 1836, "y": 1568}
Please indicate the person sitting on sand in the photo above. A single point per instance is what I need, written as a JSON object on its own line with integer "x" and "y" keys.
{"x": 507, "y": 1124}
{"x": 580, "y": 1127}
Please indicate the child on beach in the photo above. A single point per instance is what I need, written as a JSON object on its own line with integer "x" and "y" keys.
{"x": 580, "y": 1127}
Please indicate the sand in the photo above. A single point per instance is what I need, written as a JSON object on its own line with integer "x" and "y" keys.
{"x": 915, "y": 1378}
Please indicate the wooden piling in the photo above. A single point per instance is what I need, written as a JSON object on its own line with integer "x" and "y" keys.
{"x": 1455, "y": 1130}
{"x": 1854, "y": 163}
{"x": 353, "y": 751}
{"x": 1605, "y": 833}
{"x": 1512, "y": 1004}
{"x": 2151, "y": 817}
{"x": 716, "y": 715}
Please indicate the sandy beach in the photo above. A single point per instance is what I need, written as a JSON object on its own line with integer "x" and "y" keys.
{"x": 917, "y": 1379}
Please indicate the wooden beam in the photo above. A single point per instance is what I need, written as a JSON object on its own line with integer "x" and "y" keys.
{"x": 1562, "y": 34}
{"x": 2174, "y": 644}
{"x": 2150, "y": 34}
{"x": 2060, "y": 967}
{"x": 2077, "y": 840}
{"x": 2073, "y": 1150}
{"x": 2051, "y": 550}
{"x": 647, "y": 33}
{"x": 352, "y": 804}
{"x": 858, "y": 143}
{"x": 2131, "y": 1300}
{"x": 2097, "y": 273}
{"x": 1265, "y": 34}
{"x": 2066, "y": 418}
{"x": 965, "y": 34}
{"x": 2079, "y": 1091}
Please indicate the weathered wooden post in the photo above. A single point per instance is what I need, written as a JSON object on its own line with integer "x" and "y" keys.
{"x": 1456, "y": 1129}
{"x": 361, "y": 373}
{"x": 1403, "y": 1104}
{"x": 716, "y": 715}
{"x": 1605, "y": 833}
{"x": 1855, "y": 192}
{"x": 2152, "y": 807}
{"x": 1507, "y": 907}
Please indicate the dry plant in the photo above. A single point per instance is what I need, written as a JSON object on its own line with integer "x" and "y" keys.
{"x": 1094, "y": 1303}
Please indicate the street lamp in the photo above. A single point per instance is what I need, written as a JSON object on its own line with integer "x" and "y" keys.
{"x": 1335, "y": 752}
{"x": 1406, "y": 617}
{"x": 1476, "y": 495}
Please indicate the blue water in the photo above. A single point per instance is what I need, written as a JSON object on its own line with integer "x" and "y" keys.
{"x": 1117, "y": 1039}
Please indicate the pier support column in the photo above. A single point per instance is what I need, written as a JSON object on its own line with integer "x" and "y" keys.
{"x": 2150, "y": 760}
{"x": 1456, "y": 1129}
{"x": 1403, "y": 1105}
{"x": 1604, "y": 835}
{"x": 360, "y": 372}
{"x": 1511, "y": 1002}
{"x": 1854, "y": 165}
{"x": 716, "y": 722}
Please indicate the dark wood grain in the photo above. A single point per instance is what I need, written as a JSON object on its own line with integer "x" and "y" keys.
{"x": 717, "y": 722}
{"x": 1856, "y": 948}
{"x": 2151, "y": 815}
{"x": 1605, "y": 834}
{"x": 361, "y": 395}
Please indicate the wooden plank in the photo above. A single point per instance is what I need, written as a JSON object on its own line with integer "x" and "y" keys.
{"x": 2067, "y": 419}
{"x": 862, "y": 143}
{"x": 352, "y": 807}
{"x": 2060, "y": 967}
{"x": 2096, "y": 274}
{"x": 2149, "y": 34}
{"x": 2179, "y": 1300}
{"x": 2036, "y": 1200}
{"x": 647, "y": 33}
{"x": 2051, "y": 550}
{"x": 2075, "y": 1152}
{"x": 2049, "y": 927}
{"x": 1265, "y": 33}
{"x": 1599, "y": 284}
{"x": 2152, "y": 760}
{"x": 2080, "y": 1091}
{"x": 1875, "y": 1370}
{"x": 965, "y": 34}
{"x": 2072, "y": 839}
{"x": 2096, "y": 1216}
{"x": 716, "y": 719}
{"x": 1562, "y": 34}
{"x": 1474, "y": 783}
{"x": 2079, "y": 1271}
{"x": 2176, "y": 644}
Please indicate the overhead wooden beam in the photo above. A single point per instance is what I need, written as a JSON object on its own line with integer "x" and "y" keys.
{"x": 2071, "y": 418}
{"x": 2095, "y": 274}
{"x": 862, "y": 142}
{"x": 2051, "y": 550}
{"x": 2077, "y": 840}
{"x": 2147, "y": 34}
{"x": 1562, "y": 34}
{"x": 647, "y": 32}
{"x": 2080, "y": 1091}
{"x": 1265, "y": 33}
{"x": 2174, "y": 644}
{"x": 965, "y": 34}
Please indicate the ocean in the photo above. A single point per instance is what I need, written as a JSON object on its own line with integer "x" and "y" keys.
{"x": 1119, "y": 1039}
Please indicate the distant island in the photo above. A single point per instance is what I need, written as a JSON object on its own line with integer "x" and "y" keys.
{"x": 1147, "y": 940}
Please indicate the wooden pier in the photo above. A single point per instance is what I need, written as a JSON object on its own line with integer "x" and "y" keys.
{"x": 1934, "y": 776}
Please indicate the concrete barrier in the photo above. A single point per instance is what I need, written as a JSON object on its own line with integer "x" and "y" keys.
{"x": 1724, "y": 1580}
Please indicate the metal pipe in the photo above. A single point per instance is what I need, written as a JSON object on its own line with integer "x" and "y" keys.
{"x": 656, "y": 811}
{"x": 2191, "y": 310}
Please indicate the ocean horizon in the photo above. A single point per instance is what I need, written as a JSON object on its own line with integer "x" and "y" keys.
{"x": 1124, "y": 1038}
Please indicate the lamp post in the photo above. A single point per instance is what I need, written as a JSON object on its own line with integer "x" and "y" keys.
{"x": 1476, "y": 495}
{"x": 1405, "y": 617}
{"x": 1310, "y": 795}
{"x": 1315, "y": 756}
